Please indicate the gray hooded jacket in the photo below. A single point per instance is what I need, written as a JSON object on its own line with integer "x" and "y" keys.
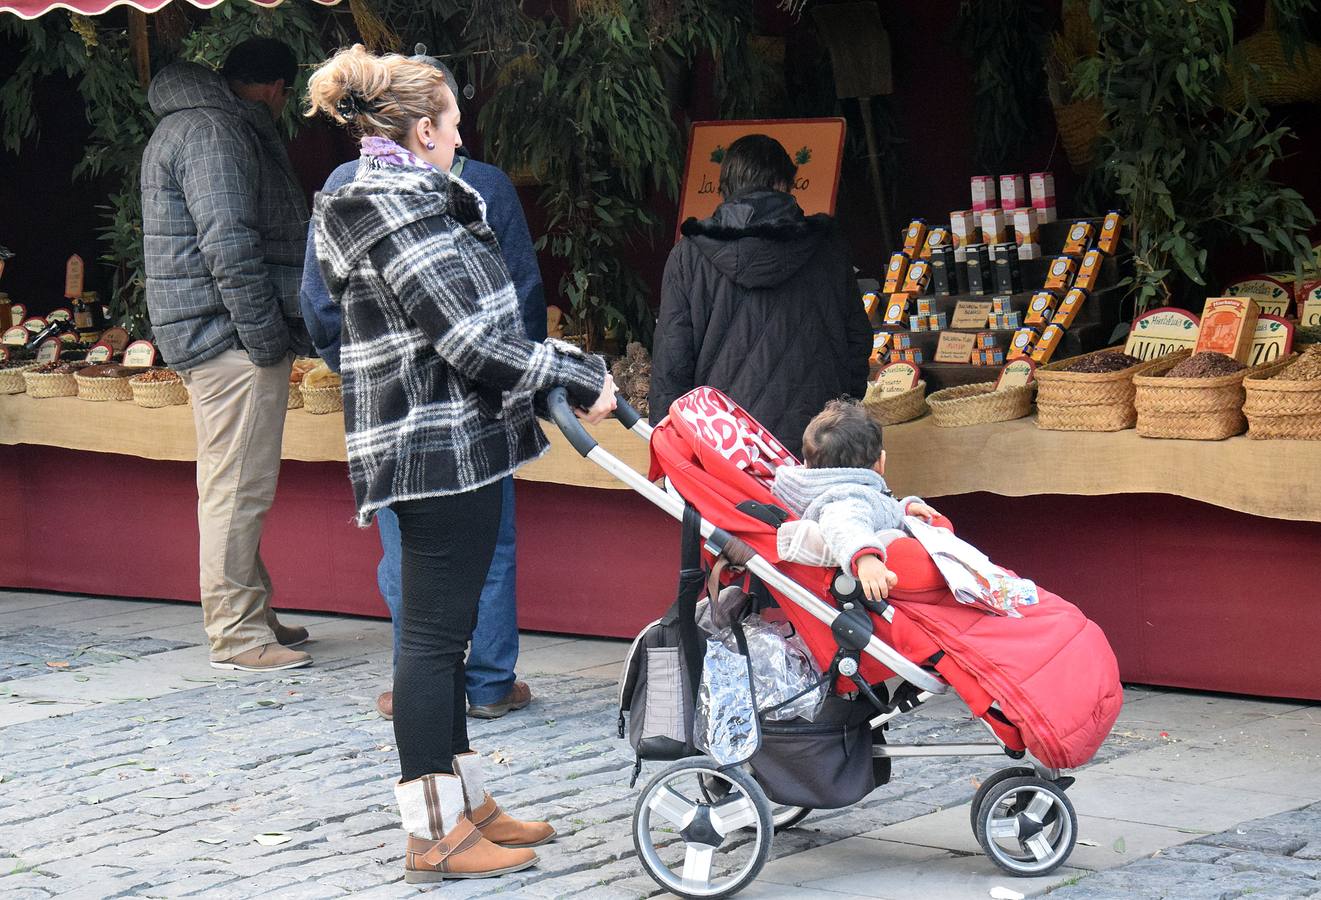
{"x": 854, "y": 507}
{"x": 224, "y": 224}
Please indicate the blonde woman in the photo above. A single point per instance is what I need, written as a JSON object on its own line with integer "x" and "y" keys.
{"x": 439, "y": 385}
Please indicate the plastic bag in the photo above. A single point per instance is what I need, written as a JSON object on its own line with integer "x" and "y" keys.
{"x": 782, "y": 670}
{"x": 725, "y": 726}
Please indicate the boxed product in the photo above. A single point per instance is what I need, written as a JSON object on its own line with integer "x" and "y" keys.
{"x": 924, "y": 306}
{"x": 1042, "y": 185}
{"x": 1047, "y": 344}
{"x": 1008, "y": 275}
{"x": 937, "y": 237}
{"x": 1108, "y": 240}
{"x": 1029, "y": 251}
{"x": 1012, "y": 194}
{"x": 870, "y": 301}
{"x": 917, "y": 323}
{"x": 879, "y": 345}
{"x": 915, "y": 282}
{"x": 1069, "y": 308}
{"x": 987, "y": 339}
{"x": 1002, "y": 304}
{"x": 937, "y": 322}
{"x": 1025, "y": 225}
{"x": 1006, "y": 321}
{"x": 912, "y": 355}
{"x": 1041, "y": 308}
{"x": 895, "y": 272}
{"x": 983, "y": 192}
{"x": 1089, "y": 270}
{"x": 963, "y": 231}
{"x": 978, "y": 268}
{"x": 994, "y": 228}
{"x": 896, "y": 308}
{"x": 990, "y": 356}
{"x": 1060, "y": 277}
{"x": 944, "y": 279}
{"x": 1080, "y": 238}
{"x": 1228, "y": 326}
{"x": 902, "y": 341}
{"x": 915, "y": 237}
{"x": 1023, "y": 342}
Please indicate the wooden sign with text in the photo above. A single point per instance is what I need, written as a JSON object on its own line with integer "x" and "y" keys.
{"x": 73, "y": 277}
{"x": 1161, "y": 332}
{"x": 816, "y": 146}
{"x": 971, "y": 314}
{"x": 955, "y": 347}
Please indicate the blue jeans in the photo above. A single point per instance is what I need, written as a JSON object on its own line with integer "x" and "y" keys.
{"x": 489, "y": 673}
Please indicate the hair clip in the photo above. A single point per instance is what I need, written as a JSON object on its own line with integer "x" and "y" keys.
{"x": 351, "y": 105}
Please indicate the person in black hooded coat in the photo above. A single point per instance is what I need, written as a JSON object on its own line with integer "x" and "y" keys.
{"x": 760, "y": 301}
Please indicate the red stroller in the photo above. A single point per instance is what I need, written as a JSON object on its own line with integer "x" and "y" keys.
{"x": 1045, "y": 686}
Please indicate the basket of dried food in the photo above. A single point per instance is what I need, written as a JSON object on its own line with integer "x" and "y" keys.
{"x": 108, "y": 381}
{"x": 1197, "y": 397}
{"x": 321, "y": 391}
{"x": 1283, "y": 401}
{"x": 155, "y": 388}
{"x": 52, "y": 379}
{"x": 1092, "y": 392}
{"x": 301, "y": 367}
{"x": 891, "y": 409}
{"x": 978, "y": 404}
{"x": 11, "y": 375}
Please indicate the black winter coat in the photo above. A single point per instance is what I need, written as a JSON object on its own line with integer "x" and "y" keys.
{"x": 760, "y": 302}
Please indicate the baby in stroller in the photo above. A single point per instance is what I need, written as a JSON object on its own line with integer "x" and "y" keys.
{"x": 848, "y": 515}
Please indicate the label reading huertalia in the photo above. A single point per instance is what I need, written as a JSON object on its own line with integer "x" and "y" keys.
{"x": 1272, "y": 339}
{"x": 1016, "y": 373}
{"x": 1271, "y": 295}
{"x": 897, "y": 377}
{"x": 1161, "y": 332}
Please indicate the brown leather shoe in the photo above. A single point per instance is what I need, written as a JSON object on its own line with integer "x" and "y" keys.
{"x": 519, "y": 696}
{"x": 266, "y": 658}
{"x": 385, "y": 705}
{"x": 290, "y": 635}
{"x": 499, "y": 827}
{"x": 463, "y": 853}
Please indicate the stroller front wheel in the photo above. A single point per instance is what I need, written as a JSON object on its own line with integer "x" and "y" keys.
{"x": 698, "y": 842}
{"x": 1026, "y": 825}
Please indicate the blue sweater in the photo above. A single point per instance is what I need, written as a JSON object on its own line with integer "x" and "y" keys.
{"x": 504, "y": 213}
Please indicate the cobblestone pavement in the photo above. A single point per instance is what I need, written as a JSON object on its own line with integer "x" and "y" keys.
{"x": 225, "y": 785}
{"x": 35, "y": 651}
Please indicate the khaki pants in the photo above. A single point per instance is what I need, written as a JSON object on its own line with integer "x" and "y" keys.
{"x": 238, "y": 410}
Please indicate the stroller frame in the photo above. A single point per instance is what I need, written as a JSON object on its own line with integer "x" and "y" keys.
{"x": 1024, "y": 804}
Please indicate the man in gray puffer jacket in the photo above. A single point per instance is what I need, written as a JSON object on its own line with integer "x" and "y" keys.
{"x": 224, "y": 229}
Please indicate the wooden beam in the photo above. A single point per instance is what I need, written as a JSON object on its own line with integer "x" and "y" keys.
{"x": 139, "y": 45}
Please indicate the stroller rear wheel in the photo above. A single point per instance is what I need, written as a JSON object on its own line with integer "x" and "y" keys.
{"x": 782, "y": 816}
{"x": 700, "y": 831}
{"x": 1026, "y": 825}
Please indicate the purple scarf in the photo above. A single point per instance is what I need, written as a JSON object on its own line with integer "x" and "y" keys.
{"x": 387, "y": 151}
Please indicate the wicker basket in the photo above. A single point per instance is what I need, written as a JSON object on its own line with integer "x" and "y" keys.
{"x": 155, "y": 394}
{"x": 103, "y": 388}
{"x": 1196, "y": 409}
{"x": 322, "y": 400}
{"x": 295, "y": 395}
{"x": 43, "y": 385}
{"x": 1276, "y": 78}
{"x": 896, "y": 408}
{"x": 1086, "y": 401}
{"x": 978, "y": 404}
{"x": 11, "y": 380}
{"x": 1080, "y": 126}
{"x": 1282, "y": 409}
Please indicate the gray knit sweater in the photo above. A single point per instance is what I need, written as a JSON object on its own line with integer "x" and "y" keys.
{"x": 852, "y": 506}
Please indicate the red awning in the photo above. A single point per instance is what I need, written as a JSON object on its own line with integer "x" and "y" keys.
{"x": 30, "y": 9}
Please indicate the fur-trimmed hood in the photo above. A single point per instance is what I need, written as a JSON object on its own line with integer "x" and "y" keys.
{"x": 759, "y": 239}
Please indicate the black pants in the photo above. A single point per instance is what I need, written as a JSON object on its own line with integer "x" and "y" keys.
{"x": 447, "y": 543}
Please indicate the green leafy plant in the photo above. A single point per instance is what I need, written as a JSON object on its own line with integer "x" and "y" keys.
{"x": 1191, "y": 174}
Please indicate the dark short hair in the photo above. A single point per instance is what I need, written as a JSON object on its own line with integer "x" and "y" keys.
{"x": 755, "y": 162}
{"x": 260, "y": 61}
{"x": 842, "y": 436}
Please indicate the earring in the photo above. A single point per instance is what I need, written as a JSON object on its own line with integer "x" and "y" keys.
{"x": 431, "y": 145}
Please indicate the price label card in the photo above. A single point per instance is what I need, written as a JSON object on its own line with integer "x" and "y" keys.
{"x": 59, "y": 315}
{"x": 69, "y": 337}
{"x": 117, "y": 338}
{"x": 1018, "y": 373}
{"x": 100, "y": 353}
{"x": 16, "y": 312}
{"x": 34, "y": 324}
{"x": 971, "y": 314}
{"x": 955, "y": 346}
{"x": 897, "y": 377}
{"x": 1272, "y": 340}
{"x": 49, "y": 351}
{"x": 1161, "y": 332}
{"x": 1271, "y": 293}
{"x": 73, "y": 277}
{"x": 16, "y": 336}
{"x": 1309, "y": 313}
{"x": 140, "y": 354}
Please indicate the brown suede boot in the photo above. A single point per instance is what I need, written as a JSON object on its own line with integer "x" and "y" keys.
{"x": 442, "y": 842}
{"x": 495, "y": 824}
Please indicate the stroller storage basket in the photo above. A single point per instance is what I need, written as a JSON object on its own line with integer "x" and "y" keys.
{"x": 817, "y": 765}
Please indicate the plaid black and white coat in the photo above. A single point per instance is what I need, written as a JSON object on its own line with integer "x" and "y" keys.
{"x": 438, "y": 378}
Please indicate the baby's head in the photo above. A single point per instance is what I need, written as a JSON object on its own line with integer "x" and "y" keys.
{"x": 842, "y": 436}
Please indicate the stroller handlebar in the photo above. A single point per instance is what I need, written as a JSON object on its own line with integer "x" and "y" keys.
{"x": 561, "y": 413}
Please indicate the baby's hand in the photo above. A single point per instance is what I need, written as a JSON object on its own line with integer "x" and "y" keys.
{"x": 875, "y": 578}
{"x": 922, "y": 511}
